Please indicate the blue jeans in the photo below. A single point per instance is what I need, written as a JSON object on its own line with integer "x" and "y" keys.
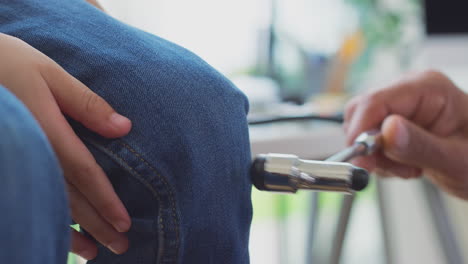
{"x": 34, "y": 211}
{"x": 182, "y": 172}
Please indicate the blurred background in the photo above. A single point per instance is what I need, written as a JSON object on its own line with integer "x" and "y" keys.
{"x": 298, "y": 57}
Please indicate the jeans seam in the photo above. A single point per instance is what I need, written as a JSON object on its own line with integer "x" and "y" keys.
{"x": 160, "y": 257}
{"x": 171, "y": 195}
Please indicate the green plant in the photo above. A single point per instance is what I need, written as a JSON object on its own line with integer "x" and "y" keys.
{"x": 382, "y": 27}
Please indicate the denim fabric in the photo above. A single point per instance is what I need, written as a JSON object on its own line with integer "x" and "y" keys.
{"x": 34, "y": 211}
{"x": 182, "y": 172}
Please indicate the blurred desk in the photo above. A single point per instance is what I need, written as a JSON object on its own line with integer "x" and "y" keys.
{"x": 308, "y": 139}
{"x": 412, "y": 235}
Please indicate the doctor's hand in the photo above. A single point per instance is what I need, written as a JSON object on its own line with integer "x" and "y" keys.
{"x": 424, "y": 123}
{"x": 49, "y": 92}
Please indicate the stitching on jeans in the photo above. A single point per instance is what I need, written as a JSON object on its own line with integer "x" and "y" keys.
{"x": 173, "y": 206}
{"x": 152, "y": 189}
{"x": 171, "y": 195}
{"x": 141, "y": 179}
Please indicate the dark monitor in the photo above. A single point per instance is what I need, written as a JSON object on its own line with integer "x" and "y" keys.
{"x": 446, "y": 17}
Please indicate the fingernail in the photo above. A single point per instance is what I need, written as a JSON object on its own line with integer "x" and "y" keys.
{"x": 402, "y": 136}
{"x": 122, "y": 226}
{"x": 119, "y": 120}
{"x": 118, "y": 247}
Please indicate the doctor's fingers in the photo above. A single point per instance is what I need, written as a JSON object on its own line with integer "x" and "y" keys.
{"x": 383, "y": 166}
{"x": 407, "y": 149}
{"x": 412, "y": 145}
{"x": 429, "y": 99}
{"x": 349, "y": 112}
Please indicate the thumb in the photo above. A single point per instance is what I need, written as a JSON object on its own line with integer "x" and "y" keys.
{"x": 411, "y": 145}
{"x": 85, "y": 106}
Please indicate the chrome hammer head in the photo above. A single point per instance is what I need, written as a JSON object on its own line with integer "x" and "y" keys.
{"x": 288, "y": 173}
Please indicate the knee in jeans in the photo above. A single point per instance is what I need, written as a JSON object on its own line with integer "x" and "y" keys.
{"x": 186, "y": 160}
{"x": 170, "y": 93}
